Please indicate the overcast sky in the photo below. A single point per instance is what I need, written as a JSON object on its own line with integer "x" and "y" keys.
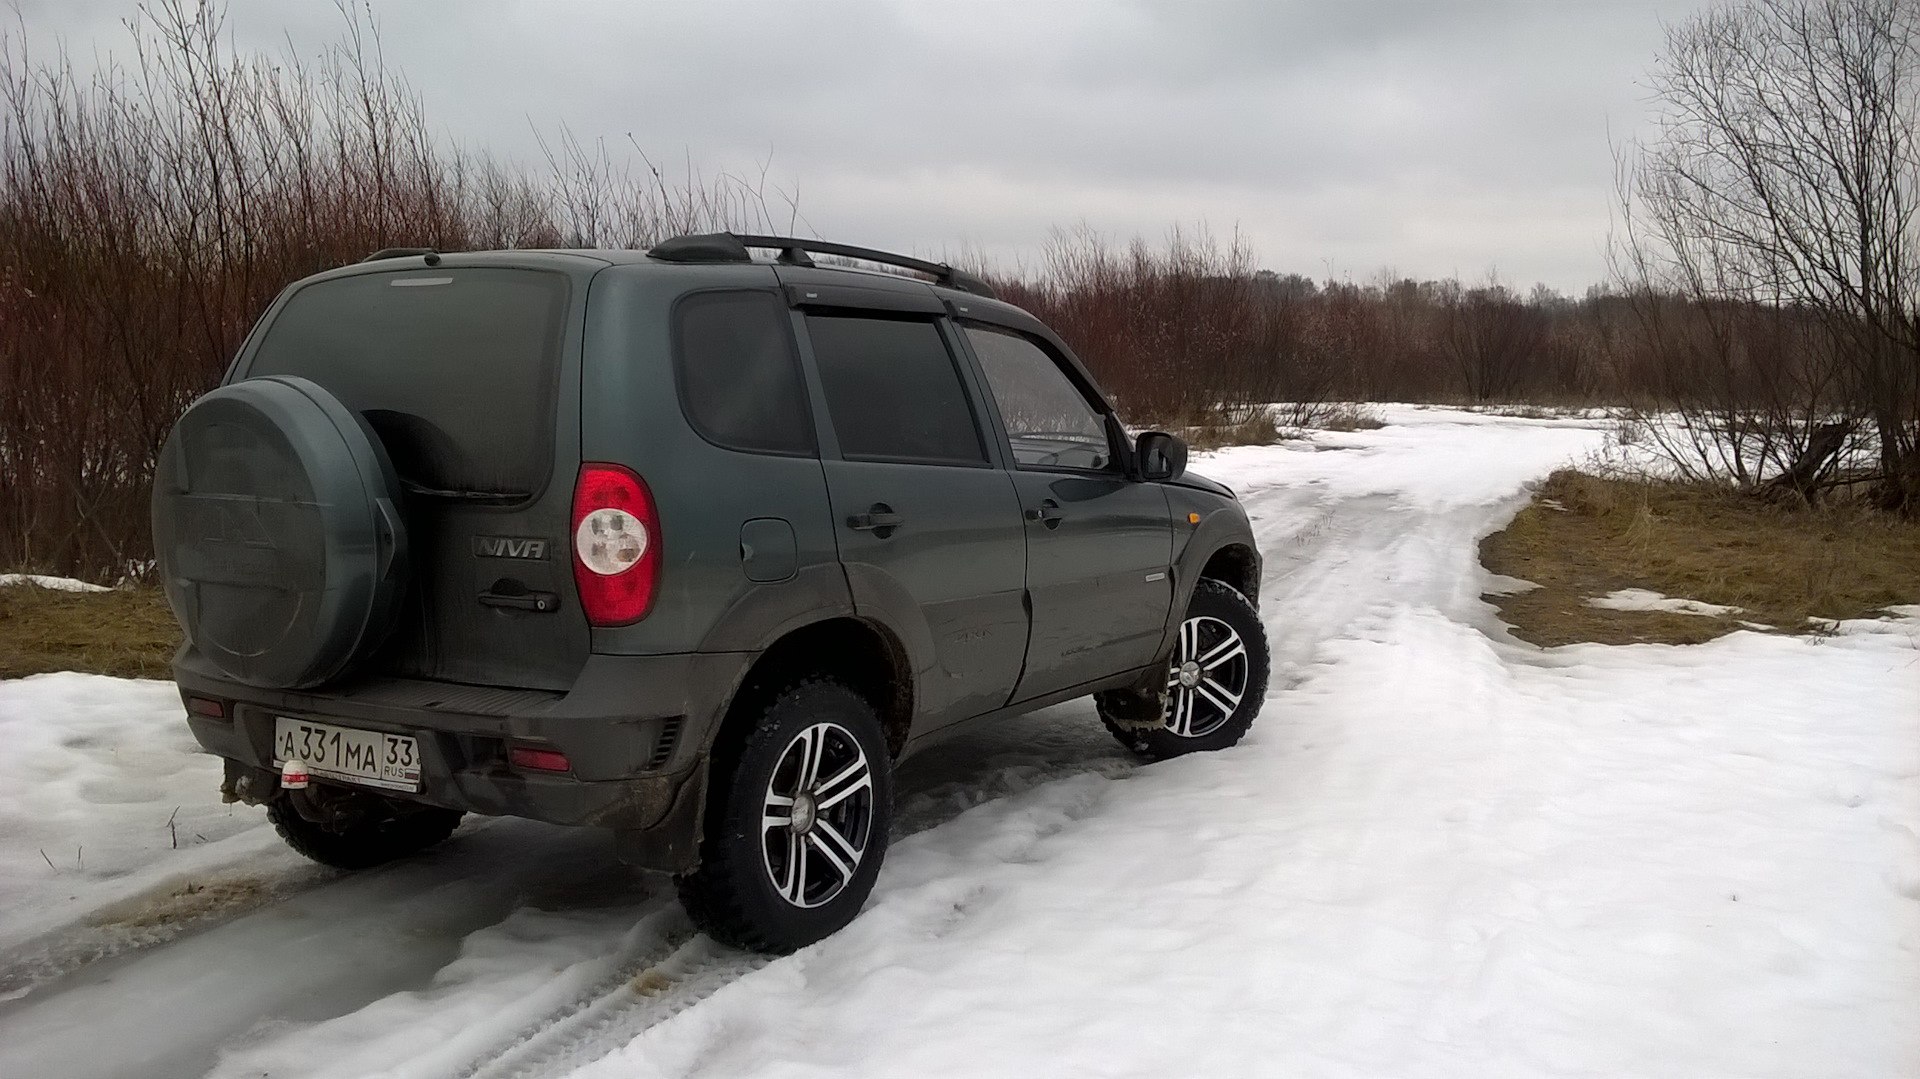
{"x": 1341, "y": 137}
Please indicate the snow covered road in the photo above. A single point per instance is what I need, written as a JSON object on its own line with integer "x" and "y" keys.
{"x": 1440, "y": 853}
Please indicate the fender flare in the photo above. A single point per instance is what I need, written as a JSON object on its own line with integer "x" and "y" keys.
{"x": 1220, "y": 527}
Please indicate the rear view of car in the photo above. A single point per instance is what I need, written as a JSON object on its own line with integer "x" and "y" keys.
{"x": 364, "y": 535}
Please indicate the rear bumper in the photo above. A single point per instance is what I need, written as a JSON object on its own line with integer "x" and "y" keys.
{"x": 635, "y": 730}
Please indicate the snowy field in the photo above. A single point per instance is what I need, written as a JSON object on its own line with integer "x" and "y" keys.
{"x": 1441, "y": 852}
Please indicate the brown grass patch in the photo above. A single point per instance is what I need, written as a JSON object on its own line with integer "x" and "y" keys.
{"x": 188, "y": 902}
{"x": 126, "y": 632}
{"x": 1585, "y": 536}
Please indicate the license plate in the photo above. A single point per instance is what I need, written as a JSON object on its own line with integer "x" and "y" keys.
{"x": 370, "y": 758}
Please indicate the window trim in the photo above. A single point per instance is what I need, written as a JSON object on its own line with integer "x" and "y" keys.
{"x": 954, "y": 359}
{"x": 1116, "y": 464}
{"x": 675, "y": 344}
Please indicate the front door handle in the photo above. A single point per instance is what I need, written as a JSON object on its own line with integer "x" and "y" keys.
{"x": 1047, "y": 513}
{"x": 879, "y": 520}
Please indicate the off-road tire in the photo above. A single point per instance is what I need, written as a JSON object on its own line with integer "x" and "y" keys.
{"x": 1213, "y": 600}
{"x": 363, "y": 845}
{"x": 731, "y": 896}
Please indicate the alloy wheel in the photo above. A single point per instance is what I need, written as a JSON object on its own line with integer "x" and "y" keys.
{"x": 1207, "y": 677}
{"x": 818, "y": 815}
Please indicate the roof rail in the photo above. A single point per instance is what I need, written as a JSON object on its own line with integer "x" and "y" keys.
{"x": 729, "y": 247}
{"x": 433, "y": 257}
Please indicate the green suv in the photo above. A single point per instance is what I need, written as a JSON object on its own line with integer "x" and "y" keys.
{"x": 689, "y": 544}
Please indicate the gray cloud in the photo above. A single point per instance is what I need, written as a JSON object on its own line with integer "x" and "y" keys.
{"x": 1424, "y": 136}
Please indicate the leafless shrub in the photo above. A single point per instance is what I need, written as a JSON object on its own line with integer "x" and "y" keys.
{"x": 1348, "y": 416}
{"x": 150, "y": 210}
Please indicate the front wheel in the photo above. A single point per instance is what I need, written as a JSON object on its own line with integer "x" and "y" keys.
{"x": 797, "y": 821}
{"x": 1216, "y": 680}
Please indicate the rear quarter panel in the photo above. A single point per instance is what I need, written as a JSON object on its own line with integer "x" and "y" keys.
{"x": 631, "y": 414}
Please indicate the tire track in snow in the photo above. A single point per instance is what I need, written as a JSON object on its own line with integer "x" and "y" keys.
{"x": 663, "y": 981}
{"x": 677, "y": 981}
{"x": 699, "y": 967}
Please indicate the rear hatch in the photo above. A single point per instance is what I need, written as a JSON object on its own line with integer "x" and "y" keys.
{"x": 468, "y": 374}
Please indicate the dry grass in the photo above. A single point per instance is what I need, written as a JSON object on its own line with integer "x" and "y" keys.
{"x": 1258, "y": 429}
{"x": 1349, "y": 417}
{"x": 126, "y": 632}
{"x": 1523, "y": 412}
{"x": 1586, "y": 536}
{"x": 187, "y": 903}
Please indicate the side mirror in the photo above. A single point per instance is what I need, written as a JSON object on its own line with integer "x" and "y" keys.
{"x": 1160, "y": 456}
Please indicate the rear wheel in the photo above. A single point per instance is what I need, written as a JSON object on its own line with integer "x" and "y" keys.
{"x": 373, "y": 832}
{"x": 797, "y": 822}
{"x": 1216, "y": 680}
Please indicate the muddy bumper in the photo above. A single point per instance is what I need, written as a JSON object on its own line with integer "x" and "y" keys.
{"x": 634, "y": 730}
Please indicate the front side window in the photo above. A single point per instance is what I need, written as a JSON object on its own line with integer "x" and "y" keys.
{"x": 1049, "y": 423}
{"x": 739, "y": 377}
{"x": 893, "y": 392}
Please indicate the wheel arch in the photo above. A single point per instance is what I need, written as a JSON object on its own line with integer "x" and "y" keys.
{"x": 868, "y": 656}
{"x": 1236, "y": 565}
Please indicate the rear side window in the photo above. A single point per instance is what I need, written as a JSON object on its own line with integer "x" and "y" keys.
{"x": 453, "y": 368}
{"x": 739, "y": 377}
{"x": 893, "y": 391}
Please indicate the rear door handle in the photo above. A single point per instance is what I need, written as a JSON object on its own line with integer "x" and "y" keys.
{"x": 879, "y": 519}
{"x": 1047, "y": 512}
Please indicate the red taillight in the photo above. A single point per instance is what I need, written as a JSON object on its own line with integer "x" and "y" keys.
{"x": 616, "y": 545}
{"x": 543, "y": 760}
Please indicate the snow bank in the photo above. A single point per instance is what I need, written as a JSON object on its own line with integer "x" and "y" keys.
{"x": 104, "y": 797}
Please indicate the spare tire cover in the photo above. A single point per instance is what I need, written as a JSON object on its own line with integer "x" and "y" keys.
{"x": 277, "y": 533}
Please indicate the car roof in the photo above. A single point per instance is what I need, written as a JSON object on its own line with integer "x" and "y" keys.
{"x": 962, "y": 303}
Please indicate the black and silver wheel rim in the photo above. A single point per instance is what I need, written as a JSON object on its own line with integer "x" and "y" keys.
{"x": 1207, "y": 678}
{"x": 818, "y": 815}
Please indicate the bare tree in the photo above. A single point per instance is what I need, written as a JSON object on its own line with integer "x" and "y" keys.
{"x": 1786, "y": 173}
{"x": 1490, "y": 337}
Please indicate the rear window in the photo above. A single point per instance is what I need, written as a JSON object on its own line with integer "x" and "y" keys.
{"x": 454, "y": 368}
